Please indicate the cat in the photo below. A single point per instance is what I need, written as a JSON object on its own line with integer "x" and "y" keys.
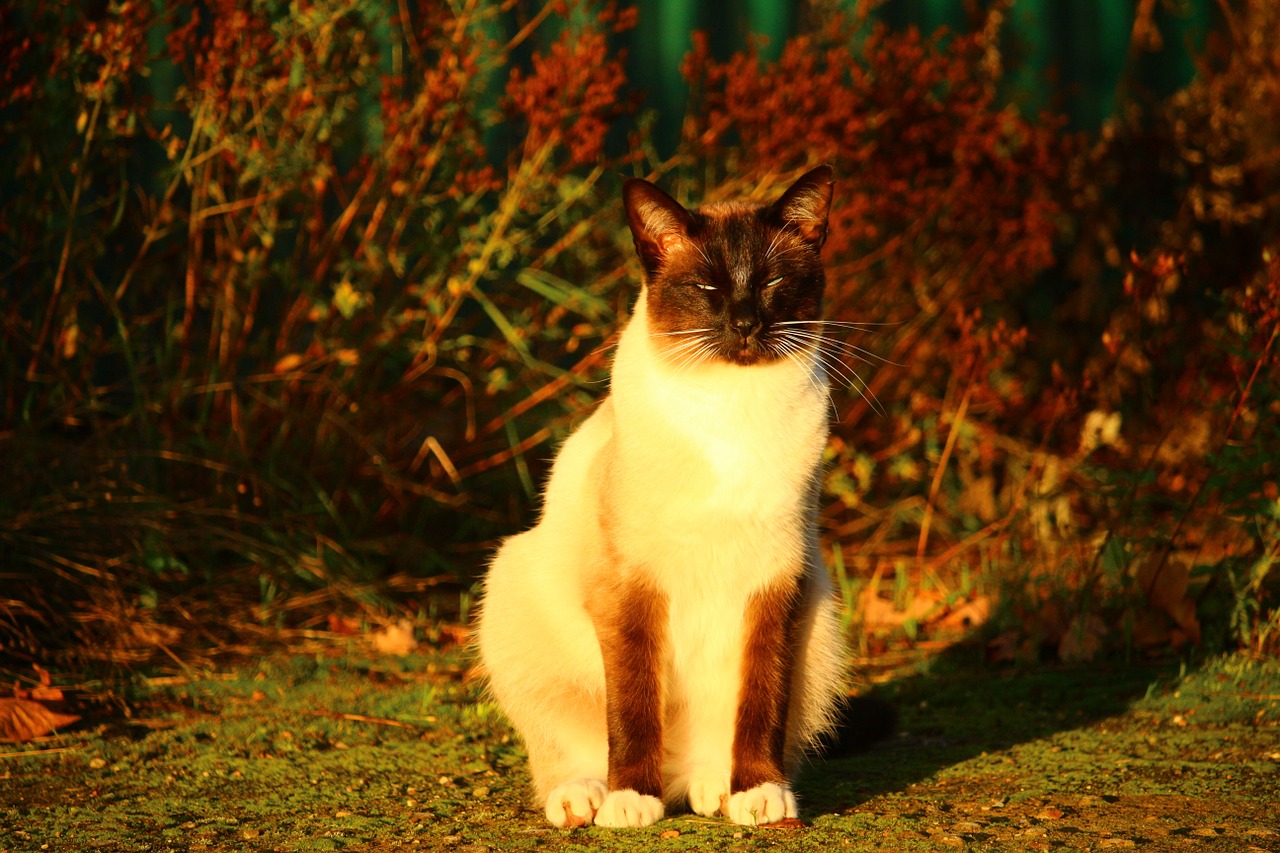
{"x": 666, "y": 633}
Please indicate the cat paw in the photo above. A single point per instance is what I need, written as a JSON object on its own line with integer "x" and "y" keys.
{"x": 575, "y": 803}
{"x": 765, "y": 803}
{"x": 629, "y": 808}
{"x": 709, "y": 795}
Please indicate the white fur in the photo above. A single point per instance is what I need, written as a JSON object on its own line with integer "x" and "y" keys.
{"x": 707, "y": 472}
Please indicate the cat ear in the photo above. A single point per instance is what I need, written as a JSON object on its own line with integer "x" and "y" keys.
{"x": 806, "y": 204}
{"x": 658, "y": 223}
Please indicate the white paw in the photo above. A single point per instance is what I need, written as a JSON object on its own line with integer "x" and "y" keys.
{"x": 709, "y": 795}
{"x": 629, "y": 808}
{"x": 575, "y": 803}
{"x": 765, "y": 803}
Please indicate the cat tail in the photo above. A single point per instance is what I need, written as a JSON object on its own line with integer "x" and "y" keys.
{"x": 860, "y": 722}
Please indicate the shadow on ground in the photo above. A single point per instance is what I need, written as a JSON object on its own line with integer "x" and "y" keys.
{"x": 957, "y": 708}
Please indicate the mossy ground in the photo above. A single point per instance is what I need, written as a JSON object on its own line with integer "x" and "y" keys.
{"x": 377, "y": 754}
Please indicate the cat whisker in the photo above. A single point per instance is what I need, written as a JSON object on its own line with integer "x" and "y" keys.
{"x": 840, "y": 324}
{"x": 864, "y": 355}
{"x": 689, "y": 353}
{"x": 682, "y": 347}
{"x": 701, "y": 355}
{"x": 773, "y": 244}
{"x": 787, "y": 251}
{"x": 706, "y": 259}
{"x": 832, "y": 362}
{"x": 793, "y": 351}
{"x": 678, "y": 332}
{"x": 855, "y": 382}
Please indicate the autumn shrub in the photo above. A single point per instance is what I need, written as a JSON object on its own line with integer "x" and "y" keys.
{"x": 298, "y": 299}
{"x": 279, "y": 330}
{"x": 1079, "y": 429}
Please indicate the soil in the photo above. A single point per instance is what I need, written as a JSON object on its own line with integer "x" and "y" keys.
{"x": 363, "y": 753}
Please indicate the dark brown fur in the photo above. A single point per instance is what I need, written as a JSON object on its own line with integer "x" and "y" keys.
{"x": 631, "y": 627}
{"x": 759, "y": 735}
{"x": 690, "y": 258}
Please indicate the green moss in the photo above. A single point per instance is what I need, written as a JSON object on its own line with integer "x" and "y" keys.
{"x": 303, "y": 754}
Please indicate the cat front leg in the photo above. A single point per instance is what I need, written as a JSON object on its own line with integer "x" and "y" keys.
{"x": 759, "y": 789}
{"x": 575, "y": 803}
{"x": 631, "y": 625}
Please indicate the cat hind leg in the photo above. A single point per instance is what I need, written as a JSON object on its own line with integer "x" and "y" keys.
{"x": 709, "y": 795}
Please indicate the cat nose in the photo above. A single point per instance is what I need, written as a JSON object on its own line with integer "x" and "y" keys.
{"x": 746, "y": 326}
{"x": 746, "y": 322}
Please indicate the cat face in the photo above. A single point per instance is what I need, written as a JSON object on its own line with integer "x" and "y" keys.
{"x": 727, "y": 282}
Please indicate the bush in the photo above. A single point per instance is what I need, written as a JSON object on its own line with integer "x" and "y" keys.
{"x": 297, "y": 299}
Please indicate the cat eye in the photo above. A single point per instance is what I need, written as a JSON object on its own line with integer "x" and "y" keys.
{"x": 704, "y": 286}
{"x": 773, "y": 282}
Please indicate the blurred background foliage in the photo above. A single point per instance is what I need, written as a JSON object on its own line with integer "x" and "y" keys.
{"x": 298, "y": 298}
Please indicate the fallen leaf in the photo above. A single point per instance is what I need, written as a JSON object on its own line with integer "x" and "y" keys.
{"x": 1049, "y": 813}
{"x": 1083, "y": 640}
{"x": 455, "y": 634}
{"x": 879, "y": 612}
{"x": 22, "y": 720}
{"x": 396, "y": 639}
{"x": 1003, "y": 648}
{"x": 1184, "y": 613}
{"x": 288, "y": 363}
{"x": 785, "y": 823}
{"x": 969, "y": 615}
{"x": 669, "y": 833}
{"x": 343, "y": 624}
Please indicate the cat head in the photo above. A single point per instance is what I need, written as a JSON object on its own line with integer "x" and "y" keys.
{"x": 732, "y": 283}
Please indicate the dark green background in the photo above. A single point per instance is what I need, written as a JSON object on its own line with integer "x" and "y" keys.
{"x": 1069, "y": 56}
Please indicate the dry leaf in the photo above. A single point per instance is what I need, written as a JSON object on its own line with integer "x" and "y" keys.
{"x": 288, "y": 363}
{"x": 1150, "y": 630}
{"x": 23, "y": 720}
{"x": 340, "y": 624}
{"x": 1165, "y": 583}
{"x": 1003, "y": 648}
{"x": 785, "y": 823}
{"x": 395, "y": 639}
{"x": 454, "y": 634}
{"x": 878, "y": 612}
{"x": 1184, "y": 613}
{"x": 969, "y": 615}
{"x": 1083, "y": 640}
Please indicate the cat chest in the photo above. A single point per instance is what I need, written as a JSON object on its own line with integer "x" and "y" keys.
{"x": 698, "y": 473}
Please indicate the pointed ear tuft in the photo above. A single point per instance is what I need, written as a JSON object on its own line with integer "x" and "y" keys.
{"x": 806, "y": 203}
{"x": 658, "y": 223}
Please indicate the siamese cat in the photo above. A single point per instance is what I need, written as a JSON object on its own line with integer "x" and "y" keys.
{"x": 667, "y": 633}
